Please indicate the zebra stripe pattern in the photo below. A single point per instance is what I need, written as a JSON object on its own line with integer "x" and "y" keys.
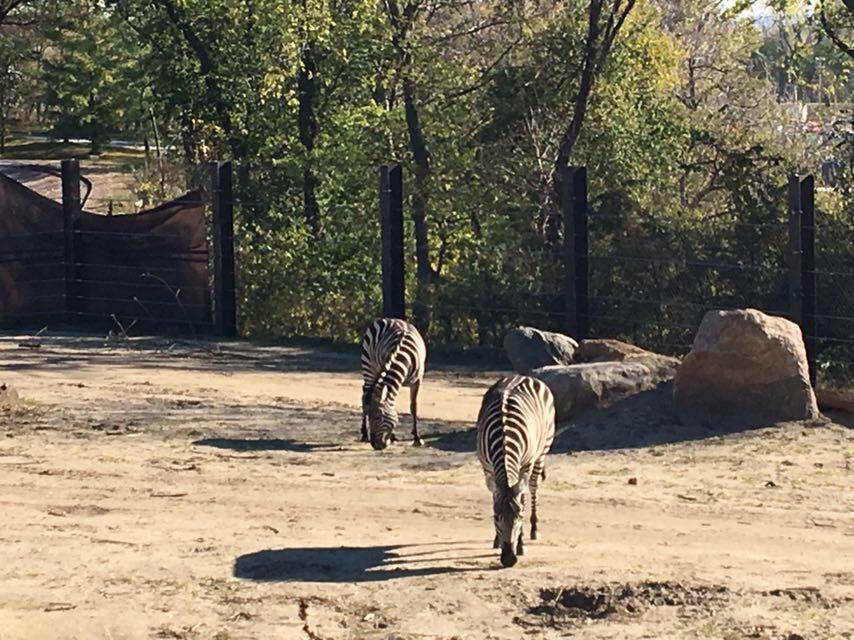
{"x": 515, "y": 430}
{"x": 393, "y": 356}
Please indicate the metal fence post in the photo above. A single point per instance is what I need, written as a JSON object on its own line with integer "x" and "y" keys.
{"x": 391, "y": 234}
{"x": 795, "y": 281}
{"x": 70, "y": 215}
{"x": 808, "y": 289}
{"x": 222, "y": 199}
{"x": 574, "y": 211}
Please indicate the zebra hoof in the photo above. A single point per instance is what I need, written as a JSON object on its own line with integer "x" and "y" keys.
{"x": 533, "y": 534}
{"x": 417, "y": 442}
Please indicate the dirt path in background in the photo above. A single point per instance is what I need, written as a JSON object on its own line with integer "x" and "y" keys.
{"x": 109, "y": 182}
{"x": 151, "y": 490}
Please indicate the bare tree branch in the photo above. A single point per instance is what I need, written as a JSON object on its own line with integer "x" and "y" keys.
{"x": 834, "y": 37}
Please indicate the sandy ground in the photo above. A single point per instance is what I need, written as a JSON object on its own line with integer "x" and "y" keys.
{"x": 195, "y": 491}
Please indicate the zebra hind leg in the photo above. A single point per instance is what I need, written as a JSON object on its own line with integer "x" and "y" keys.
{"x": 367, "y": 389}
{"x": 520, "y": 548}
{"x": 413, "y": 407}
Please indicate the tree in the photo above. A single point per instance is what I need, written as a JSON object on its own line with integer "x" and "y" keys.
{"x": 604, "y": 21}
{"x": 87, "y": 69}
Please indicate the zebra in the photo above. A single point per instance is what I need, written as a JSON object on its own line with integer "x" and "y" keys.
{"x": 393, "y": 356}
{"x": 515, "y": 430}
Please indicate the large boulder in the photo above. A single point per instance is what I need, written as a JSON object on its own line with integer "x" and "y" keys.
{"x": 746, "y": 364}
{"x": 605, "y": 350}
{"x": 579, "y": 387}
{"x": 530, "y": 348}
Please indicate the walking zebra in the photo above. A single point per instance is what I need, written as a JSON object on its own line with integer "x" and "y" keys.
{"x": 393, "y": 356}
{"x": 515, "y": 429}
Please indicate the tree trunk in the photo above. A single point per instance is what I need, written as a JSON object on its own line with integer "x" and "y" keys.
{"x": 422, "y": 311}
{"x": 214, "y": 92}
{"x": 600, "y": 37}
{"x": 3, "y": 123}
{"x": 401, "y": 22}
{"x": 188, "y": 139}
{"x": 307, "y": 86}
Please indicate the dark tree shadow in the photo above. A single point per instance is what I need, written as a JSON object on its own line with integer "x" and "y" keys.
{"x": 344, "y": 564}
{"x": 262, "y": 444}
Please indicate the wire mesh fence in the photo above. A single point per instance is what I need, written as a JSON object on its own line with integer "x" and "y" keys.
{"x": 834, "y": 307}
{"x": 650, "y": 280}
{"x": 60, "y": 264}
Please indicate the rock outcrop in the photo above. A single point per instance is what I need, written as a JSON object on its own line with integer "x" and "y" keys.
{"x": 747, "y": 364}
{"x": 587, "y": 385}
{"x": 529, "y": 349}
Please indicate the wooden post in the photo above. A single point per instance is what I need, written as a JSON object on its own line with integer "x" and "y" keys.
{"x": 391, "y": 233}
{"x": 70, "y": 214}
{"x": 808, "y": 292}
{"x": 574, "y": 210}
{"x": 795, "y": 280}
{"x": 222, "y": 198}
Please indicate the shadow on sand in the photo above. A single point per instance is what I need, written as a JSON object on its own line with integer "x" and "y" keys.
{"x": 354, "y": 564}
{"x": 266, "y": 444}
{"x": 642, "y": 420}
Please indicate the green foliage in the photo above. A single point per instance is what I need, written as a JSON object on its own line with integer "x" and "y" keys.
{"x": 88, "y": 72}
{"x": 687, "y": 145}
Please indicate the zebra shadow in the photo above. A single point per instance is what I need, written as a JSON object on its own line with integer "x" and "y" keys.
{"x": 266, "y": 444}
{"x": 354, "y": 564}
{"x": 456, "y": 441}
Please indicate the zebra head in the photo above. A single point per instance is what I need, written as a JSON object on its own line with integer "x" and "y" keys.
{"x": 382, "y": 418}
{"x": 508, "y": 506}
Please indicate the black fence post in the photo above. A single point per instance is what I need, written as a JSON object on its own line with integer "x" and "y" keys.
{"x": 574, "y": 211}
{"x": 222, "y": 198}
{"x": 808, "y": 292}
{"x": 391, "y": 234}
{"x": 795, "y": 282}
{"x": 70, "y": 215}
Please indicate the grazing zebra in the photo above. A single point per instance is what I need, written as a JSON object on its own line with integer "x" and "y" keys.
{"x": 393, "y": 356}
{"x": 515, "y": 429}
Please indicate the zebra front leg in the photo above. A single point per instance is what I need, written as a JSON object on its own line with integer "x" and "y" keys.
{"x": 496, "y": 543}
{"x": 413, "y": 407}
{"x": 539, "y": 472}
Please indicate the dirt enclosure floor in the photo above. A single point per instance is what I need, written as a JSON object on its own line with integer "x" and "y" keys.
{"x": 152, "y": 489}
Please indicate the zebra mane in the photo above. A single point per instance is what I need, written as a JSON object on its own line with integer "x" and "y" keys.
{"x": 505, "y": 398}
{"x": 500, "y": 392}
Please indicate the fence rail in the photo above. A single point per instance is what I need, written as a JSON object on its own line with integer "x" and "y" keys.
{"x": 656, "y": 295}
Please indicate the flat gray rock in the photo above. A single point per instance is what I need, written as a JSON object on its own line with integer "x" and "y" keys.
{"x": 580, "y": 387}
